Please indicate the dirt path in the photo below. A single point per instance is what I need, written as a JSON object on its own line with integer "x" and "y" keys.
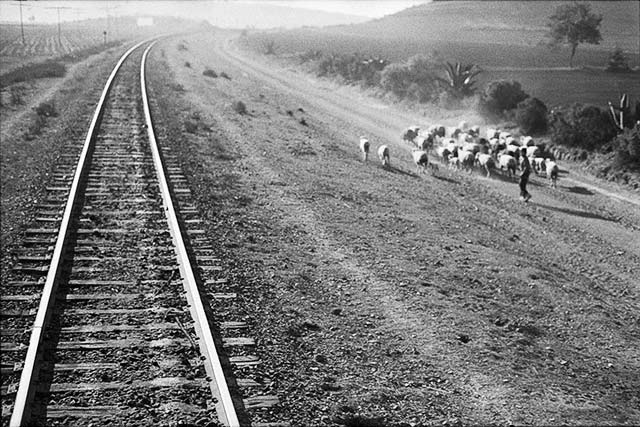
{"x": 387, "y": 125}
{"x": 438, "y": 299}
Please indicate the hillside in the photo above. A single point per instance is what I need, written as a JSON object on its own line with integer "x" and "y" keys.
{"x": 489, "y": 33}
{"x": 503, "y": 38}
{"x": 513, "y": 23}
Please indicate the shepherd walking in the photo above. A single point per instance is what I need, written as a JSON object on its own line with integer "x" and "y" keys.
{"x": 525, "y": 171}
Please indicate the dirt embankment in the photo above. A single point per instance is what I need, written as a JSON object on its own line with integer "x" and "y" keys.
{"x": 400, "y": 298}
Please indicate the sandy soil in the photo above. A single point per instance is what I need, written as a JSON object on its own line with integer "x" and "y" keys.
{"x": 386, "y": 297}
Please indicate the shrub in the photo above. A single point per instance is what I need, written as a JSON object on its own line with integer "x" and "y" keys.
{"x": 583, "y": 126}
{"x": 269, "y": 47}
{"x": 501, "y": 96}
{"x": 225, "y": 75}
{"x": 46, "y": 109}
{"x": 459, "y": 79}
{"x": 210, "y": 73}
{"x": 531, "y": 116}
{"x": 187, "y": 64}
{"x": 627, "y": 148}
{"x": 190, "y": 126}
{"x": 618, "y": 62}
{"x": 448, "y": 100}
{"x": 17, "y": 95}
{"x": 34, "y": 71}
{"x": 310, "y": 55}
{"x": 239, "y": 107}
{"x": 182, "y": 47}
{"x": 35, "y": 128}
{"x": 414, "y": 79}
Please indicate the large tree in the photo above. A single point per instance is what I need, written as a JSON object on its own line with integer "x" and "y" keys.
{"x": 572, "y": 24}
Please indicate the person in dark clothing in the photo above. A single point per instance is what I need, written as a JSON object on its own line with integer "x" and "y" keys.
{"x": 525, "y": 171}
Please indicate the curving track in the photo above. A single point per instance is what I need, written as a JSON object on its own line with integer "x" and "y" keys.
{"x": 103, "y": 321}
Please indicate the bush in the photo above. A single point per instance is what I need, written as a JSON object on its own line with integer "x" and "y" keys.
{"x": 34, "y": 71}
{"x": 190, "y": 126}
{"x": 618, "y": 62}
{"x": 187, "y": 64}
{"x": 583, "y": 126}
{"x": 415, "y": 79}
{"x": 531, "y": 116}
{"x": 449, "y": 101}
{"x": 627, "y": 148}
{"x": 501, "y": 96}
{"x": 225, "y": 75}
{"x": 239, "y": 107}
{"x": 210, "y": 73}
{"x": 352, "y": 68}
{"x": 35, "y": 128}
{"x": 46, "y": 109}
{"x": 17, "y": 95}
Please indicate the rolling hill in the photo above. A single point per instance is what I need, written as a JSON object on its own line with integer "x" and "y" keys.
{"x": 498, "y": 22}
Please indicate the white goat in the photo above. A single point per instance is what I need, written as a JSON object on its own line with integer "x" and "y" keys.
{"x": 552, "y": 172}
{"x": 508, "y": 162}
{"x": 364, "y": 147}
{"x": 493, "y": 133}
{"x": 538, "y": 164}
{"x": 410, "y": 133}
{"x": 486, "y": 162}
{"x": 383, "y": 155}
{"x": 466, "y": 159}
{"x": 533, "y": 151}
{"x": 443, "y": 153}
{"x": 454, "y": 162}
{"x": 527, "y": 141}
{"x": 421, "y": 159}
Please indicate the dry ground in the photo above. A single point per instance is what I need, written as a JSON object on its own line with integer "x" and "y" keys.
{"x": 406, "y": 299}
{"x": 399, "y": 298}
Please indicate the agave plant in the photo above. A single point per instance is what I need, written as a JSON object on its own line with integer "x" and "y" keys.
{"x": 459, "y": 78}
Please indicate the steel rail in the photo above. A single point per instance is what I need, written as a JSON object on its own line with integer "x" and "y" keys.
{"x": 225, "y": 407}
{"x": 21, "y": 409}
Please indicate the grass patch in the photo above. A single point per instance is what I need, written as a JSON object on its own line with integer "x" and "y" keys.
{"x": 86, "y": 52}
{"x": 210, "y": 73}
{"x": 239, "y": 107}
{"x": 34, "y": 71}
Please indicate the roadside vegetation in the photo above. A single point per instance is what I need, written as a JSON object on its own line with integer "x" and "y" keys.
{"x": 577, "y": 131}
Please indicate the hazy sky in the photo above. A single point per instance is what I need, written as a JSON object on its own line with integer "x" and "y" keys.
{"x": 46, "y": 12}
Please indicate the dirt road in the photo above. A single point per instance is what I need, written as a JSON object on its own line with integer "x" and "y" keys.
{"x": 396, "y": 297}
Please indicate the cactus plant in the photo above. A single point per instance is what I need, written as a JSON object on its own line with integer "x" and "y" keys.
{"x": 459, "y": 78}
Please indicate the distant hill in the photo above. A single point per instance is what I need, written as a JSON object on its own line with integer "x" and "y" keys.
{"x": 497, "y": 22}
{"x": 262, "y": 15}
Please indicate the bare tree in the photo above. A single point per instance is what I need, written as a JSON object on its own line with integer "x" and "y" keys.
{"x": 572, "y": 24}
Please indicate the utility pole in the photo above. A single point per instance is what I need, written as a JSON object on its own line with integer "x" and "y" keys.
{"x": 59, "y": 27}
{"x": 21, "y": 24}
{"x": 59, "y": 35}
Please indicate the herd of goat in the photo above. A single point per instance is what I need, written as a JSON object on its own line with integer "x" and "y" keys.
{"x": 462, "y": 148}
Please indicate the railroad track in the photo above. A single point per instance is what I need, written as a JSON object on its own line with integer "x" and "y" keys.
{"x": 103, "y": 320}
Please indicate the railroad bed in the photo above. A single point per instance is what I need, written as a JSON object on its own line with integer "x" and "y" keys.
{"x": 124, "y": 340}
